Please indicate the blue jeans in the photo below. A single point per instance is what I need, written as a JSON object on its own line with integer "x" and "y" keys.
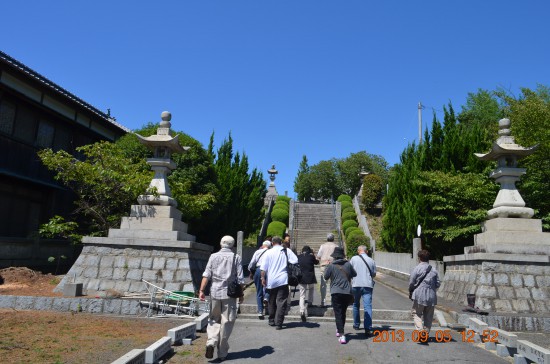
{"x": 261, "y": 293}
{"x": 366, "y": 294}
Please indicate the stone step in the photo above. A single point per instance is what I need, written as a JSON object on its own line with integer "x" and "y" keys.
{"x": 153, "y": 223}
{"x": 377, "y": 324}
{"x": 150, "y": 234}
{"x": 316, "y": 311}
{"x": 155, "y": 211}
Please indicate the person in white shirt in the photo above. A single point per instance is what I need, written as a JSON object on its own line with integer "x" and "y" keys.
{"x": 254, "y": 266}
{"x": 274, "y": 267}
{"x": 363, "y": 285}
{"x": 222, "y": 267}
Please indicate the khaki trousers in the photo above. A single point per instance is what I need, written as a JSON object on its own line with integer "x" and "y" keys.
{"x": 223, "y": 314}
{"x": 304, "y": 303}
{"x": 323, "y": 285}
{"x": 422, "y": 316}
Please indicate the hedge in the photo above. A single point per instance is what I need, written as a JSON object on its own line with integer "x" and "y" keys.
{"x": 283, "y": 198}
{"x": 276, "y": 228}
{"x": 349, "y": 223}
{"x": 355, "y": 233}
{"x": 346, "y": 204}
{"x": 348, "y": 209}
{"x": 354, "y": 242}
{"x": 349, "y": 216}
{"x": 350, "y": 229}
{"x": 280, "y": 215}
{"x": 343, "y": 198}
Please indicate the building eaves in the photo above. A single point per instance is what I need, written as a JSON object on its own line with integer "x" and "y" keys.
{"x": 59, "y": 90}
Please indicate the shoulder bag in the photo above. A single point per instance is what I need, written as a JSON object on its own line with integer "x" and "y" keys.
{"x": 294, "y": 272}
{"x": 234, "y": 289}
{"x": 370, "y": 271}
{"x": 414, "y": 287}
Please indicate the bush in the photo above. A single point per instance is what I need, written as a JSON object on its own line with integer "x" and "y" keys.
{"x": 281, "y": 205}
{"x": 354, "y": 242}
{"x": 280, "y": 215}
{"x": 348, "y": 209}
{"x": 346, "y": 204}
{"x": 350, "y": 229}
{"x": 283, "y": 199}
{"x": 348, "y": 223}
{"x": 353, "y": 233}
{"x": 343, "y": 198}
{"x": 276, "y": 228}
{"x": 349, "y": 216}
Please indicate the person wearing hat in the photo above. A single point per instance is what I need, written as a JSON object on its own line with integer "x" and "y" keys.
{"x": 221, "y": 270}
{"x": 324, "y": 255}
{"x": 340, "y": 272}
{"x": 254, "y": 269}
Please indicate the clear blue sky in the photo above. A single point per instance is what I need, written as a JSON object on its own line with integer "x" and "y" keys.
{"x": 286, "y": 78}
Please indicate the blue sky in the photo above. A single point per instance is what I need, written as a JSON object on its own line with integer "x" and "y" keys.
{"x": 286, "y": 78}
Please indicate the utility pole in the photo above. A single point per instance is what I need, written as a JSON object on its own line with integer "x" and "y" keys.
{"x": 420, "y": 107}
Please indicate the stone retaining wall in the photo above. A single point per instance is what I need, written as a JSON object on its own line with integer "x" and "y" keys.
{"x": 115, "y": 306}
{"x": 519, "y": 287}
{"x": 122, "y": 268}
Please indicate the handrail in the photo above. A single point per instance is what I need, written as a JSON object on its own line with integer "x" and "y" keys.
{"x": 291, "y": 224}
{"x": 336, "y": 222}
{"x": 265, "y": 223}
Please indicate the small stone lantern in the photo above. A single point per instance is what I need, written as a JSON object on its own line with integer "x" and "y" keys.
{"x": 506, "y": 152}
{"x": 163, "y": 145}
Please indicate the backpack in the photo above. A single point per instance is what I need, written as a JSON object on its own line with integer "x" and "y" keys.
{"x": 294, "y": 272}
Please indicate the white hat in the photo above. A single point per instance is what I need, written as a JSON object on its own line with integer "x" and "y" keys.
{"x": 267, "y": 243}
{"x": 227, "y": 242}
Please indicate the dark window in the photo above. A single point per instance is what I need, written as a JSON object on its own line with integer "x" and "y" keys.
{"x": 62, "y": 139}
{"x": 7, "y": 116}
{"x": 44, "y": 136}
{"x": 25, "y": 125}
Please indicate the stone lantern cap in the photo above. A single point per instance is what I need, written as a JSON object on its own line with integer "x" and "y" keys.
{"x": 505, "y": 146}
{"x": 163, "y": 139}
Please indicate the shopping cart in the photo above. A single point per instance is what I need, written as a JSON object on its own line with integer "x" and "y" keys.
{"x": 165, "y": 303}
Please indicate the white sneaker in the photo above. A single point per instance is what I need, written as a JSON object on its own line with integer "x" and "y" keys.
{"x": 342, "y": 339}
{"x": 337, "y": 333}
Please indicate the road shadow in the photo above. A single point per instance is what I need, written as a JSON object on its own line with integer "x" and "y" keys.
{"x": 292, "y": 324}
{"x": 256, "y": 353}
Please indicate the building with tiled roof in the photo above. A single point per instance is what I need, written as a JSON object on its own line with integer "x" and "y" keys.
{"x": 36, "y": 113}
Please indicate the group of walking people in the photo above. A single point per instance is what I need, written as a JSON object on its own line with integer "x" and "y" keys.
{"x": 351, "y": 281}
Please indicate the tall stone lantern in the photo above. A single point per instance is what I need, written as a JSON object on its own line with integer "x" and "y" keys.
{"x": 508, "y": 268}
{"x": 507, "y": 153}
{"x": 163, "y": 145}
{"x": 271, "y": 190}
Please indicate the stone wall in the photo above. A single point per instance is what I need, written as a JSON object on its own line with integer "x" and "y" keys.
{"x": 515, "y": 287}
{"x": 121, "y": 269}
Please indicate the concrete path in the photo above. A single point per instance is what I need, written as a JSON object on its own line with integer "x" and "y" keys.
{"x": 256, "y": 342}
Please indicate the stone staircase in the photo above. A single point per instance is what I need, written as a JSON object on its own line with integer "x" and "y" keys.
{"x": 312, "y": 222}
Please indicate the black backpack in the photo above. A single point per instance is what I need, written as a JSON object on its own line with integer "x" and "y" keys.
{"x": 294, "y": 272}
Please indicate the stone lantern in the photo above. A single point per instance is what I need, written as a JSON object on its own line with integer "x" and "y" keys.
{"x": 507, "y": 153}
{"x": 362, "y": 175}
{"x": 271, "y": 190}
{"x": 163, "y": 145}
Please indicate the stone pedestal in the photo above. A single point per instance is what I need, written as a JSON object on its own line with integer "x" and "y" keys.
{"x": 151, "y": 244}
{"x": 508, "y": 268}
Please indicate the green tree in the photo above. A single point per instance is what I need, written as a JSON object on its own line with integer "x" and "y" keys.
{"x": 373, "y": 188}
{"x": 106, "y": 183}
{"x": 530, "y": 117}
{"x": 302, "y": 182}
{"x": 452, "y": 207}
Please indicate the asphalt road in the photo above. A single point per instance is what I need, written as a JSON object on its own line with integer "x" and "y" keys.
{"x": 255, "y": 341}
